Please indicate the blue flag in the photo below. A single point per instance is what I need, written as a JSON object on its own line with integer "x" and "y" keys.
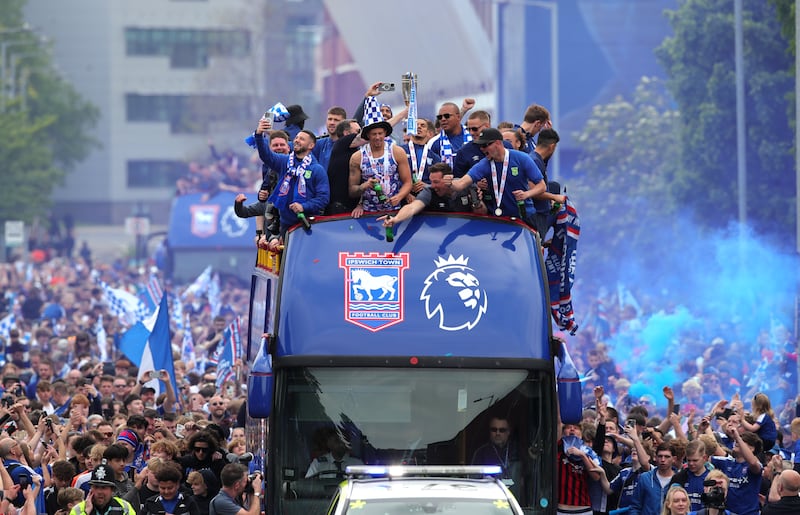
{"x": 148, "y": 345}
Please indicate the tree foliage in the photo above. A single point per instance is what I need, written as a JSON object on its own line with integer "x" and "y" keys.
{"x": 785, "y": 10}
{"x": 699, "y": 61}
{"x": 44, "y": 128}
{"x": 627, "y": 161}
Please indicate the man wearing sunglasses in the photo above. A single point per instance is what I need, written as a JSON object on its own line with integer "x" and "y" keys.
{"x": 452, "y": 135}
{"x": 512, "y": 176}
{"x": 501, "y": 450}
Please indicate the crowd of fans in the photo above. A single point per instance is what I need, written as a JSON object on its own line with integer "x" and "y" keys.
{"x": 711, "y": 405}
{"x": 74, "y": 409}
{"x": 70, "y": 403}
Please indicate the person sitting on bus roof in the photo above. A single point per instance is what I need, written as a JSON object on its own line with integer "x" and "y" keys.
{"x": 337, "y": 459}
{"x": 439, "y": 196}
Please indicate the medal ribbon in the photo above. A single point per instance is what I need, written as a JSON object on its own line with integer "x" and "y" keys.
{"x": 423, "y": 159}
{"x": 498, "y": 189}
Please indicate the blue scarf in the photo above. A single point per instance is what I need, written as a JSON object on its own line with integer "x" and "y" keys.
{"x": 284, "y": 197}
{"x": 446, "y": 148}
{"x": 560, "y": 265}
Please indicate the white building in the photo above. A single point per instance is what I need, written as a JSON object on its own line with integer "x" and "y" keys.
{"x": 164, "y": 74}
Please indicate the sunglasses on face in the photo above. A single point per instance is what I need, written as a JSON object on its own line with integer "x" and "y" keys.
{"x": 445, "y": 116}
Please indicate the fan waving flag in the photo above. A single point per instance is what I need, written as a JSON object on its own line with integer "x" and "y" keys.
{"x": 230, "y": 350}
{"x": 147, "y": 344}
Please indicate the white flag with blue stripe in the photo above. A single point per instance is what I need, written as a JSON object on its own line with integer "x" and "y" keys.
{"x": 148, "y": 345}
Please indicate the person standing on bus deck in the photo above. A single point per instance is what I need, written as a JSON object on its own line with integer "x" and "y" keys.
{"x": 379, "y": 171}
{"x": 502, "y": 450}
{"x": 512, "y": 175}
{"x": 302, "y": 183}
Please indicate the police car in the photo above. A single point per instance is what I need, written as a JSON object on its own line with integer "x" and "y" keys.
{"x": 402, "y": 490}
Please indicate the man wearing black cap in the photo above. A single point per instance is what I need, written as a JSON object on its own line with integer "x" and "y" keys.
{"x": 101, "y": 499}
{"x": 512, "y": 175}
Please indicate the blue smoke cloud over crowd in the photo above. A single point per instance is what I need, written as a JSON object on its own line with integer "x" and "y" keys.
{"x": 715, "y": 299}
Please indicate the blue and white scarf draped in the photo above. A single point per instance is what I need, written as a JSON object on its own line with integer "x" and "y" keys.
{"x": 446, "y": 148}
{"x": 293, "y": 170}
{"x": 560, "y": 265}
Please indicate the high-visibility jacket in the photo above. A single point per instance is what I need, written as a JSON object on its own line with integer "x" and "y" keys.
{"x": 117, "y": 506}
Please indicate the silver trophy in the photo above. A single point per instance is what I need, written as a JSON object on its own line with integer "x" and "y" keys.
{"x": 408, "y": 79}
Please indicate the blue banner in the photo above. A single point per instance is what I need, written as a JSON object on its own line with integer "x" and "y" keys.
{"x": 198, "y": 224}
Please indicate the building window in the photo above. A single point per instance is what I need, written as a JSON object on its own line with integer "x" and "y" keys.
{"x": 186, "y": 114}
{"x": 154, "y": 173}
{"x": 187, "y": 48}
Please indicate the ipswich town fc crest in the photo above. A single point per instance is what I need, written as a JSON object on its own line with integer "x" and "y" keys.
{"x": 204, "y": 220}
{"x": 373, "y": 293}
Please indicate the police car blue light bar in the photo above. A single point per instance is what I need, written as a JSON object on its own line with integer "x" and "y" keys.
{"x": 423, "y": 470}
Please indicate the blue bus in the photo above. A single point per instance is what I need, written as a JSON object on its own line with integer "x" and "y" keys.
{"x": 367, "y": 351}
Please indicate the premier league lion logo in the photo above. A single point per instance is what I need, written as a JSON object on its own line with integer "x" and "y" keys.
{"x": 454, "y": 293}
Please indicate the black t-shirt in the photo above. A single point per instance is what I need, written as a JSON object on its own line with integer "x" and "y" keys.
{"x": 339, "y": 176}
{"x": 434, "y": 202}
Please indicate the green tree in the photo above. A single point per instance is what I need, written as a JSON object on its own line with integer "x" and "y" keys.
{"x": 44, "y": 126}
{"x": 785, "y": 10}
{"x": 699, "y": 61}
{"x": 627, "y": 161}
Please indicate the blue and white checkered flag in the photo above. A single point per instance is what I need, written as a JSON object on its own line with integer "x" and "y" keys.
{"x": 7, "y": 324}
{"x": 279, "y": 112}
{"x": 127, "y": 307}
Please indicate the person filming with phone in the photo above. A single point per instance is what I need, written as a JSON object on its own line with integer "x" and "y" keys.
{"x": 240, "y": 494}
{"x": 168, "y": 406}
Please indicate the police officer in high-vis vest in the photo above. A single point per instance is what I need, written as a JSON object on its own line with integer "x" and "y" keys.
{"x": 101, "y": 499}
